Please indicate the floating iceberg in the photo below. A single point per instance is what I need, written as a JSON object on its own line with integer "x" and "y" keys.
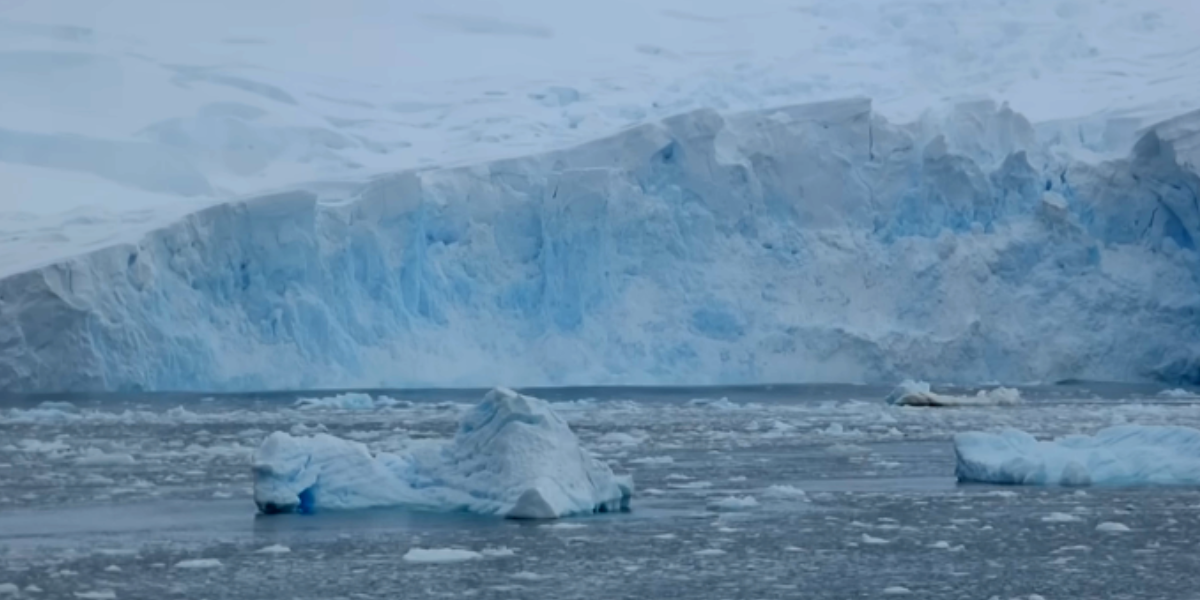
{"x": 1179, "y": 393}
{"x": 350, "y": 401}
{"x": 512, "y": 456}
{"x": 1128, "y": 455}
{"x": 734, "y": 503}
{"x": 918, "y": 393}
{"x": 440, "y": 555}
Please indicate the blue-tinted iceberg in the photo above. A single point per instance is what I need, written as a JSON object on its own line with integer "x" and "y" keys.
{"x": 512, "y": 456}
{"x": 1129, "y": 455}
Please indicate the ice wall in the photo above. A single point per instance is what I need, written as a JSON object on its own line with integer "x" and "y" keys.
{"x": 809, "y": 243}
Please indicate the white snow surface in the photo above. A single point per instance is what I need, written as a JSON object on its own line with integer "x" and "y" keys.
{"x": 1127, "y": 455}
{"x": 231, "y": 196}
{"x": 919, "y": 393}
{"x": 131, "y": 103}
{"x": 512, "y": 456}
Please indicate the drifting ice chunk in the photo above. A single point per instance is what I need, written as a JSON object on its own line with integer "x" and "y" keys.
{"x": 1121, "y": 456}
{"x": 97, "y": 595}
{"x": 198, "y": 563}
{"x": 786, "y": 491}
{"x": 734, "y": 503}
{"x": 440, "y": 555}
{"x": 512, "y": 456}
{"x": 96, "y": 458}
{"x": 1058, "y": 517}
{"x": 350, "y": 401}
{"x": 1177, "y": 393}
{"x": 918, "y": 393}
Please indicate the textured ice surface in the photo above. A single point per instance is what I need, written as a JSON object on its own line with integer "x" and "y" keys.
{"x": 1127, "y": 455}
{"x": 918, "y": 393}
{"x": 512, "y": 456}
{"x": 815, "y": 242}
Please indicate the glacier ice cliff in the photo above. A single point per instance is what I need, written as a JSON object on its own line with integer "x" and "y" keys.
{"x": 808, "y": 243}
{"x": 512, "y": 456}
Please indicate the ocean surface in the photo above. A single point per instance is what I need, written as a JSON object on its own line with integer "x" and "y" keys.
{"x": 835, "y": 495}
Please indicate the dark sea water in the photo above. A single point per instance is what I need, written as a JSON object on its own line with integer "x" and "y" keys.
{"x": 114, "y": 494}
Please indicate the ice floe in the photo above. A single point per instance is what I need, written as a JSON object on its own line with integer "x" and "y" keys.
{"x": 1127, "y": 455}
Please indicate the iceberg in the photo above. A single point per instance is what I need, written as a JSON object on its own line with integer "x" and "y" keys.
{"x": 440, "y": 555}
{"x": 350, "y": 401}
{"x": 1128, "y": 455}
{"x": 818, "y": 242}
{"x": 918, "y": 393}
{"x": 1178, "y": 393}
{"x": 512, "y": 456}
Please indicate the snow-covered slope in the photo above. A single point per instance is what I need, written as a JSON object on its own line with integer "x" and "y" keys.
{"x": 817, "y": 242}
{"x": 216, "y": 99}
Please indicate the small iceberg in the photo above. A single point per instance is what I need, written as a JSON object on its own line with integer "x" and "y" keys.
{"x": 512, "y": 456}
{"x": 1128, "y": 455}
{"x": 918, "y": 393}
{"x": 351, "y": 401}
{"x": 439, "y": 555}
{"x": 1179, "y": 393}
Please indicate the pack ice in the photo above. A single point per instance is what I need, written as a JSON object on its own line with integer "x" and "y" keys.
{"x": 1127, "y": 455}
{"x": 512, "y": 456}
{"x": 807, "y": 243}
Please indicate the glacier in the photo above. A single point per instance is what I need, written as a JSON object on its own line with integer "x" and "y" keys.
{"x": 512, "y": 456}
{"x": 817, "y": 242}
{"x": 1126, "y": 455}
